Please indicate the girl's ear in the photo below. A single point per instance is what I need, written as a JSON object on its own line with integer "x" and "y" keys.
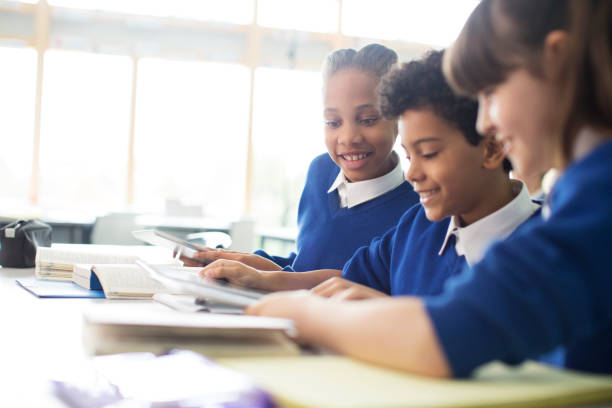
{"x": 556, "y": 49}
{"x": 493, "y": 154}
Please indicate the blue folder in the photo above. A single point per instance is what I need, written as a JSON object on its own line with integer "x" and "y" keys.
{"x": 56, "y": 289}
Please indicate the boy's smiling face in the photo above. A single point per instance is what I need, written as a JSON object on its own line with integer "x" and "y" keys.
{"x": 444, "y": 168}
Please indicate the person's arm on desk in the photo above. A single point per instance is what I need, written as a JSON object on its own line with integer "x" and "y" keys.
{"x": 240, "y": 274}
{"x": 343, "y": 289}
{"x": 252, "y": 260}
{"x": 367, "y": 330}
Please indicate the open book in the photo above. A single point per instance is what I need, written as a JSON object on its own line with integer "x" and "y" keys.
{"x": 57, "y": 262}
{"x": 124, "y": 281}
{"x": 118, "y": 328}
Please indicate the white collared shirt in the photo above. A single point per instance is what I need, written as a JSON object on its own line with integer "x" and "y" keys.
{"x": 355, "y": 193}
{"x": 472, "y": 241}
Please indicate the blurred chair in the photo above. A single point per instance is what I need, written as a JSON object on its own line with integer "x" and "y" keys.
{"x": 115, "y": 229}
{"x": 211, "y": 239}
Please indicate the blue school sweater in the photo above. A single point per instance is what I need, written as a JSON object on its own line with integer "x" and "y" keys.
{"x": 405, "y": 260}
{"x": 548, "y": 285}
{"x": 329, "y": 235}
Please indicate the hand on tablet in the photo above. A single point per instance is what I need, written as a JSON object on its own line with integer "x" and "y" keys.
{"x": 235, "y": 272}
{"x": 252, "y": 260}
{"x": 343, "y": 289}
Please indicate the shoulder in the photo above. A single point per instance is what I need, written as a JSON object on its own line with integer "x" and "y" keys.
{"x": 323, "y": 163}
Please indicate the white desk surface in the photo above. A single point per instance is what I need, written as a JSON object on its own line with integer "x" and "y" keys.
{"x": 38, "y": 337}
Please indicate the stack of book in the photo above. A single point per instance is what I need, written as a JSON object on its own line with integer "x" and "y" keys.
{"x": 58, "y": 261}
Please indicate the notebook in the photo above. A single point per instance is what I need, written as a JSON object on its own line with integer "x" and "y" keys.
{"x": 118, "y": 328}
{"x": 339, "y": 382}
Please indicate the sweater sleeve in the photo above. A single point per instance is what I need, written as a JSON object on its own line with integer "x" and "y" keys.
{"x": 547, "y": 285}
{"x": 369, "y": 265}
{"x": 279, "y": 260}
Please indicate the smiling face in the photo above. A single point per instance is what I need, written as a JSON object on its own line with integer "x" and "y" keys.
{"x": 359, "y": 140}
{"x": 521, "y": 113}
{"x": 448, "y": 173}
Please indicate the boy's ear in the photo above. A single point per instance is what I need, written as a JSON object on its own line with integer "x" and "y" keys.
{"x": 493, "y": 153}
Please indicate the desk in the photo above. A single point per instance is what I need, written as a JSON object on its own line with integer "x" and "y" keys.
{"x": 41, "y": 336}
{"x": 36, "y": 337}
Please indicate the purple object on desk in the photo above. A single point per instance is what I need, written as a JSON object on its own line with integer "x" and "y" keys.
{"x": 181, "y": 379}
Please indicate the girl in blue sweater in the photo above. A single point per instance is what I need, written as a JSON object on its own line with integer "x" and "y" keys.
{"x": 542, "y": 72}
{"x": 354, "y": 192}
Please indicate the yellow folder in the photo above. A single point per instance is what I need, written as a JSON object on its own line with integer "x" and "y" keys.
{"x": 336, "y": 381}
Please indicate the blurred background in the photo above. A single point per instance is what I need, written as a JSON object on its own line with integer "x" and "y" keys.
{"x": 184, "y": 115}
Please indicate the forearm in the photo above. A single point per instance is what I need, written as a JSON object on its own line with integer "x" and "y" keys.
{"x": 276, "y": 281}
{"x": 391, "y": 332}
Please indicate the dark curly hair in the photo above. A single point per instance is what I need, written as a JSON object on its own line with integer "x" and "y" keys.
{"x": 420, "y": 84}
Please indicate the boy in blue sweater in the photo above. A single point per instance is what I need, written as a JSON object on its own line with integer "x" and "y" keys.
{"x": 467, "y": 198}
{"x": 541, "y": 71}
{"x": 354, "y": 192}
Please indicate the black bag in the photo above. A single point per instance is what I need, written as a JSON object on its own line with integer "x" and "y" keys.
{"x": 19, "y": 240}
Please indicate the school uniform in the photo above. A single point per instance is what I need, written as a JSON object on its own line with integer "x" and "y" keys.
{"x": 549, "y": 284}
{"x": 417, "y": 256}
{"x": 336, "y": 217}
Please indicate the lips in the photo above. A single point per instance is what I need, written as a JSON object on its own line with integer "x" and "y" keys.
{"x": 354, "y": 160}
{"x": 425, "y": 196}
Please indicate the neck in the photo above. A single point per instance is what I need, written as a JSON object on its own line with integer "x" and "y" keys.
{"x": 496, "y": 194}
{"x": 587, "y": 140}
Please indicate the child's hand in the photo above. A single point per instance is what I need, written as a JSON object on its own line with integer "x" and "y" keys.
{"x": 289, "y": 305}
{"x": 252, "y": 260}
{"x": 234, "y": 272}
{"x": 343, "y": 289}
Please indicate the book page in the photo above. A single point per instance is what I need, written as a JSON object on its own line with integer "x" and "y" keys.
{"x": 70, "y": 254}
{"x": 128, "y": 280}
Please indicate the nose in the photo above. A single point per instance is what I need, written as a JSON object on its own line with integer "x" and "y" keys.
{"x": 484, "y": 123}
{"x": 414, "y": 173}
{"x": 349, "y": 134}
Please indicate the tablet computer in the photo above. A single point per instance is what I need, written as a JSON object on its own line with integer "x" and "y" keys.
{"x": 159, "y": 238}
{"x": 213, "y": 290}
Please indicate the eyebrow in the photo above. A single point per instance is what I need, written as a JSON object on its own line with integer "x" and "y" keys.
{"x": 426, "y": 139}
{"x": 360, "y": 107}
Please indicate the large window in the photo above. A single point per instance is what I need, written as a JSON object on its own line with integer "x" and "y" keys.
{"x": 17, "y": 85}
{"x": 233, "y": 11}
{"x": 191, "y": 135}
{"x": 84, "y": 130}
{"x": 435, "y": 22}
{"x": 311, "y": 15}
{"x": 216, "y": 104}
{"x": 287, "y": 135}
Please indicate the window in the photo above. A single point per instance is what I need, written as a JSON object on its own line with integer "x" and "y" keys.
{"x": 287, "y": 135}
{"x": 232, "y": 11}
{"x": 84, "y": 130}
{"x": 18, "y": 82}
{"x": 191, "y": 135}
{"x": 312, "y": 15}
{"x": 409, "y": 20}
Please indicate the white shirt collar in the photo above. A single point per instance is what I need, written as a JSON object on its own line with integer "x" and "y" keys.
{"x": 473, "y": 240}
{"x": 352, "y": 194}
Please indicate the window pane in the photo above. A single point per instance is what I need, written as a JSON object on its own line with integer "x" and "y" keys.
{"x": 191, "y": 135}
{"x": 233, "y": 11}
{"x": 312, "y": 15}
{"x": 410, "y": 20}
{"x": 287, "y": 135}
{"x": 84, "y": 130}
{"x": 18, "y": 85}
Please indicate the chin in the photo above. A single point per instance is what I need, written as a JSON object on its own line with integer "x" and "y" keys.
{"x": 433, "y": 216}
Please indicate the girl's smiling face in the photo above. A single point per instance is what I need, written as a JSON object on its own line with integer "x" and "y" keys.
{"x": 521, "y": 113}
{"x": 359, "y": 140}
